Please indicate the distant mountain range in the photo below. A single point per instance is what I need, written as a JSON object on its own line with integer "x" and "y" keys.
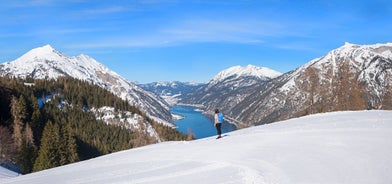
{"x": 47, "y": 63}
{"x": 172, "y": 91}
{"x": 352, "y": 77}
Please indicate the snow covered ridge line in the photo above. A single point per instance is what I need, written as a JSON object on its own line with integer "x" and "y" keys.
{"x": 362, "y": 58}
{"x": 250, "y": 70}
{"x": 341, "y": 147}
{"x": 45, "y": 62}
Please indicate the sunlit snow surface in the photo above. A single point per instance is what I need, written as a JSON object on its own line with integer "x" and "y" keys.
{"x": 5, "y": 173}
{"x": 341, "y": 147}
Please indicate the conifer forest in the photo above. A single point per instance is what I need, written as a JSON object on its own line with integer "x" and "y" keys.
{"x": 47, "y": 123}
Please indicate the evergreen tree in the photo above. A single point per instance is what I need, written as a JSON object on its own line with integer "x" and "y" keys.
{"x": 17, "y": 125}
{"x": 48, "y": 154}
{"x": 68, "y": 149}
{"x": 36, "y": 120}
{"x": 28, "y": 150}
{"x": 23, "y": 109}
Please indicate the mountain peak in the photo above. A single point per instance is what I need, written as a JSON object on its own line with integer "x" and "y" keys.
{"x": 46, "y": 52}
{"x": 43, "y": 49}
{"x": 348, "y": 44}
{"x": 246, "y": 71}
{"x": 47, "y": 47}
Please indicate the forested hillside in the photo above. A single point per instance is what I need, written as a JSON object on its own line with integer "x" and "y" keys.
{"x": 48, "y": 123}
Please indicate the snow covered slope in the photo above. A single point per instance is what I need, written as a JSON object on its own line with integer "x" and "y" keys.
{"x": 5, "y": 173}
{"x": 339, "y": 147}
{"x": 45, "y": 62}
{"x": 247, "y": 71}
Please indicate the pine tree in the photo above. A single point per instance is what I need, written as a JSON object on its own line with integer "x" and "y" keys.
{"x": 17, "y": 124}
{"x": 28, "y": 150}
{"x": 23, "y": 109}
{"x": 36, "y": 120}
{"x": 48, "y": 154}
{"x": 69, "y": 152}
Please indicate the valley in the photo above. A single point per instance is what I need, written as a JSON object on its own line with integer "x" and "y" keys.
{"x": 349, "y": 78}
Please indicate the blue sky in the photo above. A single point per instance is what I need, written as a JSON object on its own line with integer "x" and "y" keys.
{"x": 191, "y": 40}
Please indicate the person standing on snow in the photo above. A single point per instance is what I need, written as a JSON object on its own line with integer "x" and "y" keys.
{"x": 218, "y": 120}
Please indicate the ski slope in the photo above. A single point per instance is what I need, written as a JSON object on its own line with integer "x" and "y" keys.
{"x": 339, "y": 147}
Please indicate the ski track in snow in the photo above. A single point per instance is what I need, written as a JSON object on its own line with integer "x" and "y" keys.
{"x": 339, "y": 147}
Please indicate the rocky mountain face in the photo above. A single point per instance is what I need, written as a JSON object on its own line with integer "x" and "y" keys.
{"x": 352, "y": 77}
{"x": 47, "y": 63}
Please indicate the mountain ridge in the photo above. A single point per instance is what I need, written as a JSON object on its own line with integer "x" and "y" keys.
{"x": 46, "y": 62}
{"x": 263, "y": 73}
{"x": 351, "y": 77}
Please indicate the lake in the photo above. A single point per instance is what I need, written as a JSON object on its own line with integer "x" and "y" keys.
{"x": 199, "y": 124}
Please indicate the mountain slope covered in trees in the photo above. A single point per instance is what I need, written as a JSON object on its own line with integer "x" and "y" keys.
{"x": 63, "y": 129}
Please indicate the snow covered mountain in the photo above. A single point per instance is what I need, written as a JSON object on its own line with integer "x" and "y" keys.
{"x": 230, "y": 86}
{"x": 352, "y": 77}
{"x": 45, "y": 62}
{"x": 237, "y": 72}
{"x": 172, "y": 91}
{"x": 171, "y": 88}
{"x": 339, "y": 147}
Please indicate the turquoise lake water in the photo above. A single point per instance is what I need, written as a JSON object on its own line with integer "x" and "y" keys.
{"x": 200, "y": 125}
